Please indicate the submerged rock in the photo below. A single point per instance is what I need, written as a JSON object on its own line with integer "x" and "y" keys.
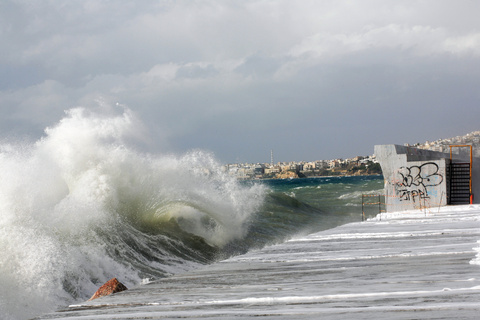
{"x": 111, "y": 286}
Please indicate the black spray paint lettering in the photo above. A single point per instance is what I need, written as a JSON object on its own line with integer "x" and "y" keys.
{"x": 415, "y": 180}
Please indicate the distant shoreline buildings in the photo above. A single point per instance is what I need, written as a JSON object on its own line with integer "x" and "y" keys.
{"x": 443, "y": 145}
{"x": 359, "y": 165}
{"x": 283, "y": 170}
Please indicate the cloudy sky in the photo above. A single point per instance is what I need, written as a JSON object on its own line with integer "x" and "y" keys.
{"x": 311, "y": 80}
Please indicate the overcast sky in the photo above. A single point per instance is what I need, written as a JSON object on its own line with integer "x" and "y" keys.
{"x": 309, "y": 79}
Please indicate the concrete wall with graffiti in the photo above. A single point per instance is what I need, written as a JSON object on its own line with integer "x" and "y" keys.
{"x": 414, "y": 178}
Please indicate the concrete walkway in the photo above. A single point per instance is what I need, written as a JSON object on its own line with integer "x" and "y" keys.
{"x": 414, "y": 265}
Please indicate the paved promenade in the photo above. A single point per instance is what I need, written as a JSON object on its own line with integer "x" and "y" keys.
{"x": 415, "y": 265}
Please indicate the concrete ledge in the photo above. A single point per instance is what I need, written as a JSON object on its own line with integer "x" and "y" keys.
{"x": 417, "y": 178}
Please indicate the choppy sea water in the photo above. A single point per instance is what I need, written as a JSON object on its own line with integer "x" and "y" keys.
{"x": 404, "y": 265}
{"x": 81, "y": 206}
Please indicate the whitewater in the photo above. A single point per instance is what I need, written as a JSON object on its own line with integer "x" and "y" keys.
{"x": 406, "y": 265}
{"x": 79, "y": 206}
{"x": 82, "y": 205}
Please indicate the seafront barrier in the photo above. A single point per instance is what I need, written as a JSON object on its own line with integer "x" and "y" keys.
{"x": 417, "y": 178}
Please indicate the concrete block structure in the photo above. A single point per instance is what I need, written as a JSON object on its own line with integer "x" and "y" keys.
{"x": 417, "y": 178}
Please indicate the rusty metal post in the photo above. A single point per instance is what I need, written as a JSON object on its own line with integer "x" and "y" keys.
{"x": 363, "y": 211}
{"x": 379, "y": 205}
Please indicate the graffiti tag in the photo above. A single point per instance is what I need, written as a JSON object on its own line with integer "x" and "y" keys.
{"x": 414, "y": 181}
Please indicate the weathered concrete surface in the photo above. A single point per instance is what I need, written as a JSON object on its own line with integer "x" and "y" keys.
{"x": 416, "y": 178}
{"x": 412, "y": 265}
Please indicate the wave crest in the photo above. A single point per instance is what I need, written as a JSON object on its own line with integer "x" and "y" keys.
{"x": 80, "y": 206}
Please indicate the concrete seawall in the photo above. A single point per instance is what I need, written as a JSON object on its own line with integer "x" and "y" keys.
{"x": 417, "y": 178}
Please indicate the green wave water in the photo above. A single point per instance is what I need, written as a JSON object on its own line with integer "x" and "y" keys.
{"x": 80, "y": 206}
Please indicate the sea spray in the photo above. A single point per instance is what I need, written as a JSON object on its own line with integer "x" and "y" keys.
{"x": 81, "y": 206}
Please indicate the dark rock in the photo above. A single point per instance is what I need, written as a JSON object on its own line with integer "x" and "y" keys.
{"x": 111, "y": 286}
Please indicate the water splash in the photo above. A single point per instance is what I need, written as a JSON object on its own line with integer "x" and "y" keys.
{"x": 80, "y": 206}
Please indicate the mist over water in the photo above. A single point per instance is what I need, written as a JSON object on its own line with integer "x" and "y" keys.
{"x": 79, "y": 207}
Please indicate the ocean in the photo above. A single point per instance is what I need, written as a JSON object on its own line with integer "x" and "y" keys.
{"x": 81, "y": 206}
{"x": 402, "y": 265}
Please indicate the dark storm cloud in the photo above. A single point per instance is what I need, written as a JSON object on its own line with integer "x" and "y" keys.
{"x": 310, "y": 79}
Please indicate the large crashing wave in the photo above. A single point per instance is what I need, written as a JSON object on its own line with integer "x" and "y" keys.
{"x": 79, "y": 207}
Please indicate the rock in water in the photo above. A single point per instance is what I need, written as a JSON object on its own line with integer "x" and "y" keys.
{"x": 111, "y": 286}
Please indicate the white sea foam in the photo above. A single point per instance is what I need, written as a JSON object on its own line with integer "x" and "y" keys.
{"x": 476, "y": 260}
{"x": 59, "y": 195}
{"x": 320, "y": 298}
{"x": 403, "y": 267}
{"x": 358, "y": 194}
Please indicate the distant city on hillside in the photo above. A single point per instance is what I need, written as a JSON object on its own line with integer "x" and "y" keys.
{"x": 443, "y": 145}
{"x": 359, "y": 165}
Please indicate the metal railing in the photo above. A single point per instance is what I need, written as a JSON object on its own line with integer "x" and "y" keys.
{"x": 377, "y": 203}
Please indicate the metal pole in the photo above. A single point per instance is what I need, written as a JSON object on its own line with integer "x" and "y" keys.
{"x": 441, "y": 197}
{"x": 363, "y": 212}
{"x": 425, "y": 206}
{"x": 379, "y": 205}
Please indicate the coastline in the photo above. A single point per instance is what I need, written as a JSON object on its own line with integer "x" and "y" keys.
{"x": 315, "y": 176}
{"x": 412, "y": 264}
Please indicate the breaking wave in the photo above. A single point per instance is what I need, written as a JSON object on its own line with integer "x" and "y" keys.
{"x": 79, "y": 207}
